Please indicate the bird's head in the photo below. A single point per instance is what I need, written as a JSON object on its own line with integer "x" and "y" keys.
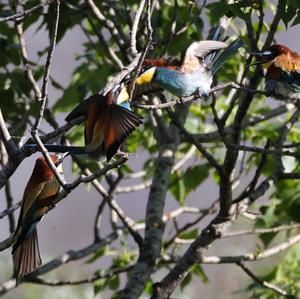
{"x": 58, "y": 159}
{"x": 118, "y": 94}
{"x": 43, "y": 172}
{"x": 267, "y": 57}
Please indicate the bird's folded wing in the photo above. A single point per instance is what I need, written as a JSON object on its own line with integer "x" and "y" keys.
{"x": 202, "y": 48}
{"x": 32, "y": 191}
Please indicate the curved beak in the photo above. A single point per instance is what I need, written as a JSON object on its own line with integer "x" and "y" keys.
{"x": 256, "y": 53}
{"x": 262, "y": 57}
{"x": 61, "y": 158}
{"x": 260, "y": 54}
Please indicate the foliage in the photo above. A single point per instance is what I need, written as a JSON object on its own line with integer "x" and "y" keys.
{"x": 176, "y": 24}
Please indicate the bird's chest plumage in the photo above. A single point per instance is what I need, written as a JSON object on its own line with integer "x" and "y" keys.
{"x": 184, "y": 84}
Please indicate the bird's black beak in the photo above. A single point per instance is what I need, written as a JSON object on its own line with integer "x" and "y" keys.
{"x": 259, "y": 54}
{"x": 61, "y": 158}
{"x": 262, "y": 57}
{"x": 266, "y": 55}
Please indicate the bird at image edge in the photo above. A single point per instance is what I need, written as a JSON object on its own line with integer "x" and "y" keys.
{"x": 109, "y": 122}
{"x": 195, "y": 74}
{"x": 38, "y": 198}
{"x": 283, "y": 70}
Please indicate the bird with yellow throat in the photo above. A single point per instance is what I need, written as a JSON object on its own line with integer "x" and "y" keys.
{"x": 282, "y": 71}
{"x": 194, "y": 75}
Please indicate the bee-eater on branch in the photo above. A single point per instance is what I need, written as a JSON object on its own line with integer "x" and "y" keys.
{"x": 283, "y": 71}
{"x": 196, "y": 71}
{"x": 38, "y": 199}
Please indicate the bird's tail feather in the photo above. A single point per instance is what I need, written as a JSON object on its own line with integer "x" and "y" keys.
{"x": 26, "y": 256}
{"x": 225, "y": 55}
{"x": 216, "y": 33}
{"x": 73, "y": 150}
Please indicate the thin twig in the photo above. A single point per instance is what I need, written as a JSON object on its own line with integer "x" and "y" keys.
{"x": 26, "y": 63}
{"x": 107, "y": 274}
{"x": 19, "y": 16}
{"x": 275, "y": 229}
{"x": 264, "y": 283}
{"x": 44, "y": 96}
{"x": 47, "y": 157}
{"x": 134, "y": 29}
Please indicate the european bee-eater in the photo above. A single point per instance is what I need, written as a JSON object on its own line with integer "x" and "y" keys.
{"x": 196, "y": 71}
{"x": 283, "y": 71}
{"x": 109, "y": 122}
{"x": 40, "y": 191}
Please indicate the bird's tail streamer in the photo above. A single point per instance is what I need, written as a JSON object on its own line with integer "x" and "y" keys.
{"x": 73, "y": 150}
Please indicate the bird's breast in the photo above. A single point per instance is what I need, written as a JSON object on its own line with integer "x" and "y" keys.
{"x": 184, "y": 84}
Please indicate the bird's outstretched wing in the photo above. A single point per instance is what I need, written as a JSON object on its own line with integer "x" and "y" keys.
{"x": 121, "y": 123}
{"x": 79, "y": 110}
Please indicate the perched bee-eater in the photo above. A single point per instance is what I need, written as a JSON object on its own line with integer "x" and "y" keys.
{"x": 40, "y": 191}
{"x": 283, "y": 71}
{"x": 195, "y": 73}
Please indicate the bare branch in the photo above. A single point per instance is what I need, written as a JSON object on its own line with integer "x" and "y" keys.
{"x": 10, "y": 210}
{"x": 26, "y": 64}
{"x": 135, "y": 28}
{"x": 98, "y": 276}
{"x": 44, "y": 95}
{"x": 19, "y": 16}
{"x": 275, "y": 229}
{"x": 9, "y": 144}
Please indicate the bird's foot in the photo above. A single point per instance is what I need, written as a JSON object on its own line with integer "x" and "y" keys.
{"x": 180, "y": 100}
{"x": 197, "y": 95}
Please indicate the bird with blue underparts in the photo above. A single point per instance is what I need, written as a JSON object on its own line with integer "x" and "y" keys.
{"x": 108, "y": 122}
{"x": 38, "y": 198}
{"x": 194, "y": 75}
{"x": 282, "y": 71}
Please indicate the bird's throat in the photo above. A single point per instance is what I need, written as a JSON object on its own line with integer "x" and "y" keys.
{"x": 146, "y": 77}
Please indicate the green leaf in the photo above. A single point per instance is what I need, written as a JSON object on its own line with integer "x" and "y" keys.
{"x": 217, "y": 10}
{"x": 186, "y": 281}
{"x": 288, "y": 15}
{"x": 182, "y": 183}
{"x": 114, "y": 282}
{"x": 190, "y": 235}
{"x": 99, "y": 285}
{"x": 198, "y": 270}
{"x": 98, "y": 254}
